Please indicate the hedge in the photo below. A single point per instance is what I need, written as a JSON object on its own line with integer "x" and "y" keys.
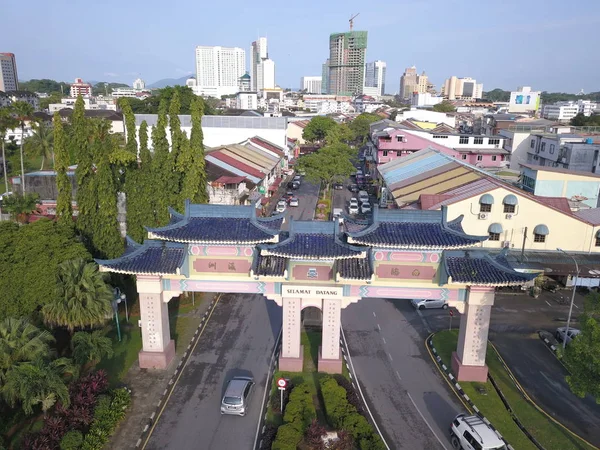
{"x": 298, "y": 415}
{"x": 342, "y": 415}
{"x": 108, "y": 413}
{"x": 72, "y": 440}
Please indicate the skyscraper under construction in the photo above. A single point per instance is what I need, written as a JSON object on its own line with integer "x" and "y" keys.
{"x": 347, "y": 53}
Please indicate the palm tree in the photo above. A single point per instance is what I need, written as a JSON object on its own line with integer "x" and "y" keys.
{"x": 83, "y": 298}
{"x": 37, "y": 383}
{"x": 90, "y": 348}
{"x": 21, "y": 342}
{"x": 41, "y": 143}
{"x": 20, "y": 206}
{"x": 22, "y": 111}
{"x": 7, "y": 122}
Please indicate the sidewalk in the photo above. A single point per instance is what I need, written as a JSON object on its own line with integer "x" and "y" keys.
{"x": 148, "y": 386}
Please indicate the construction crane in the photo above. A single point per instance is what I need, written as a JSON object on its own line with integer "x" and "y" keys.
{"x": 352, "y": 20}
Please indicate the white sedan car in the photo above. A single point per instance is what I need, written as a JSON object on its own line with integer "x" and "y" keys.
{"x": 572, "y": 334}
{"x": 365, "y": 208}
{"x": 294, "y": 201}
{"x": 353, "y": 208}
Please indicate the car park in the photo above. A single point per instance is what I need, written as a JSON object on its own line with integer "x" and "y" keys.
{"x": 561, "y": 332}
{"x": 237, "y": 396}
{"x": 472, "y": 433}
{"x": 365, "y": 208}
{"x": 429, "y": 303}
{"x": 294, "y": 201}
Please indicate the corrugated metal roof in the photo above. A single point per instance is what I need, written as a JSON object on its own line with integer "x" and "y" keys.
{"x": 275, "y": 123}
{"x": 592, "y": 215}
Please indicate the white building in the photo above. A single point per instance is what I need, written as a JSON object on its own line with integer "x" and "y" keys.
{"x": 375, "y": 78}
{"x": 90, "y": 103}
{"x": 425, "y": 99}
{"x": 247, "y": 100}
{"x": 139, "y": 84}
{"x": 81, "y": 88}
{"x": 466, "y": 88}
{"x": 258, "y": 52}
{"x": 312, "y": 85}
{"x": 265, "y": 72}
{"x": 328, "y": 104}
{"x": 9, "y": 80}
{"x": 218, "y": 70}
{"x": 524, "y": 100}
{"x": 426, "y": 116}
{"x": 561, "y": 113}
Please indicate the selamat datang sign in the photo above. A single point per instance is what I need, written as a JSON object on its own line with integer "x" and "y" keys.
{"x": 312, "y": 291}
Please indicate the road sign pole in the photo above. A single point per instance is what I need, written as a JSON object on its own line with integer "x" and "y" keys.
{"x": 450, "y": 326}
{"x": 281, "y": 404}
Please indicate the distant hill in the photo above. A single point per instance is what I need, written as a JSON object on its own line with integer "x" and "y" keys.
{"x": 169, "y": 82}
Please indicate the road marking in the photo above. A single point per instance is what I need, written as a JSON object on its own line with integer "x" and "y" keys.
{"x": 374, "y": 315}
{"x": 390, "y": 356}
{"x": 425, "y": 420}
{"x": 398, "y": 375}
{"x": 575, "y": 305}
{"x": 384, "y": 340}
{"x": 424, "y": 321}
{"x": 378, "y": 327}
{"x": 548, "y": 303}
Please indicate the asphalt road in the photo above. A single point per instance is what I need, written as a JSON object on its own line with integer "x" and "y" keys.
{"x": 238, "y": 340}
{"x": 411, "y": 403}
{"x": 307, "y": 194}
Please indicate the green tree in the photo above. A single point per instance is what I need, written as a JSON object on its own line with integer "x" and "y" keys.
{"x": 36, "y": 384}
{"x": 497, "y": 95}
{"x": 161, "y": 168}
{"x": 64, "y": 209}
{"x": 317, "y": 128}
{"x": 192, "y": 163}
{"x": 329, "y": 164}
{"x": 130, "y": 128}
{"x": 21, "y": 207}
{"x": 83, "y": 298}
{"x": 21, "y": 342}
{"x": 41, "y": 143}
{"x": 179, "y": 145}
{"x": 339, "y": 134}
{"x": 444, "y": 106}
{"x": 361, "y": 126}
{"x": 583, "y": 121}
{"x": 29, "y": 257}
{"x": 582, "y": 355}
{"x": 23, "y": 112}
{"x": 54, "y": 97}
{"x": 44, "y": 85}
{"x": 7, "y": 122}
{"x": 89, "y": 348}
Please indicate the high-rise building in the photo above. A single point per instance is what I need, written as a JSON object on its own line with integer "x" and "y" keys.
{"x": 408, "y": 83}
{"x": 312, "y": 85}
{"x": 80, "y": 88}
{"x": 462, "y": 88}
{"x": 9, "y": 80}
{"x": 325, "y": 77}
{"x": 265, "y": 74}
{"x": 218, "y": 70}
{"x": 375, "y": 78}
{"x": 262, "y": 69}
{"x": 245, "y": 84}
{"x": 139, "y": 84}
{"x": 347, "y": 52}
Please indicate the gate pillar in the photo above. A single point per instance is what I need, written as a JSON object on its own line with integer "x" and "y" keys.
{"x": 158, "y": 349}
{"x": 330, "y": 357}
{"x": 291, "y": 357}
{"x": 468, "y": 361}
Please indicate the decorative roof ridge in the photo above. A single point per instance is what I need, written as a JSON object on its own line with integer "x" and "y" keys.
{"x": 148, "y": 243}
{"x": 458, "y": 221}
{"x": 260, "y": 222}
{"x": 487, "y": 256}
{"x": 130, "y": 243}
{"x": 175, "y": 214}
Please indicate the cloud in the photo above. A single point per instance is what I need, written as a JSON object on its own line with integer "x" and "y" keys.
{"x": 111, "y": 74}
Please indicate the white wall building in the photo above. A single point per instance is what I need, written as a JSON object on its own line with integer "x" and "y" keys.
{"x": 561, "y": 113}
{"x": 524, "y": 100}
{"x": 9, "y": 80}
{"x": 465, "y": 88}
{"x": 425, "y": 99}
{"x": 265, "y": 71}
{"x": 218, "y": 70}
{"x": 81, "y": 88}
{"x": 375, "y": 78}
{"x": 90, "y": 103}
{"x": 247, "y": 100}
{"x": 427, "y": 116}
{"x": 312, "y": 85}
{"x": 327, "y": 104}
{"x": 258, "y": 52}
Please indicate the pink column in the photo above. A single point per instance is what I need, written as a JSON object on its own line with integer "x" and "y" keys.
{"x": 330, "y": 357}
{"x": 291, "y": 357}
{"x": 158, "y": 349}
{"x": 468, "y": 362}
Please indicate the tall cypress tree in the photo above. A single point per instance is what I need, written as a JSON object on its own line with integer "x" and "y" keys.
{"x": 193, "y": 164}
{"x": 81, "y": 143}
{"x": 78, "y": 139}
{"x": 131, "y": 144}
{"x": 179, "y": 146}
{"x": 162, "y": 168}
{"x": 64, "y": 210}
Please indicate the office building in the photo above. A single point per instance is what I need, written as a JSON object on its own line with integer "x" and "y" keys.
{"x": 375, "y": 78}
{"x": 9, "y": 80}
{"x": 262, "y": 69}
{"x": 218, "y": 70}
{"x": 80, "y": 88}
{"x": 467, "y": 88}
{"x": 347, "y": 52}
{"x": 245, "y": 83}
{"x": 410, "y": 83}
{"x": 312, "y": 85}
{"x": 561, "y": 113}
{"x": 265, "y": 74}
{"x": 325, "y": 77}
{"x": 524, "y": 100}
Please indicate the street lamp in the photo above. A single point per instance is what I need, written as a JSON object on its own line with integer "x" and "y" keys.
{"x": 572, "y": 297}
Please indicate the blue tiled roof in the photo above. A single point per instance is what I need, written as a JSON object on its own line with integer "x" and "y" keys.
{"x": 355, "y": 268}
{"x": 477, "y": 267}
{"x": 219, "y": 223}
{"x": 414, "y": 229}
{"x": 269, "y": 265}
{"x": 152, "y": 257}
{"x": 312, "y": 240}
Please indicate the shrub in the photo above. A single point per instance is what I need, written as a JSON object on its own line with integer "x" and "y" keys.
{"x": 108, "y": 413}
{"x": 299, "y": 413}
{"x": 351, "y": 393}
{"x": 72, "y": 440}
{"x": 268, "y": 437}
{"x": 288, "y": 438}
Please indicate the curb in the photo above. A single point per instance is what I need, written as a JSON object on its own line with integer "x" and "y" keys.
{"x": 459, "y": 391}
{"x": 153, "y": 419}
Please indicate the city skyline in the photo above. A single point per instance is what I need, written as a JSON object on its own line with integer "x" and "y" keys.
{"x": 159, "y": 50}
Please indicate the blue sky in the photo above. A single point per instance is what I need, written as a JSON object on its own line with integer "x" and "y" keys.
{"x": 547, "y": 44}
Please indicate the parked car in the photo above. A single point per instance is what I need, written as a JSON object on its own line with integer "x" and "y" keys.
{"x": 359, "y": 173}
{"x": 572, "y": 334}
{"x": 365, "y": 208}
{"x": 294, "y": 201}
{"x": 237, "y": 396}
{"x": 353, "y": 208}
{"x": 353, "y": 187}
{"x": 338, "y": 186}
{"x": 288, "y": 195}
{"x": 363, "y": 196}
{"x": 429, "y": 303}
{"x": 281, "y": 205}
{"x": 295, "y": 185}
{"x": 297, "y": 178}
{"x": 290, "y": 185}
{"x": 471, "y": 432}
{"x": 353, "y": 201}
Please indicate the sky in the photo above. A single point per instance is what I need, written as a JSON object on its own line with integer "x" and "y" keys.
{"x": 546, "y": 44}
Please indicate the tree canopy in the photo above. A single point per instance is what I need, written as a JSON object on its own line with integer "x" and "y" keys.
{"x": 444, "y": 106}
{"x": 29, "y": 257}
{"x": 360, "y": 126}
{"x": 45, "y": 86}
{"x": 151, "y": 105}
{"x": 583, "y": 121}
{"x": 317, "y": 128}
{"x": 329, "y": 164}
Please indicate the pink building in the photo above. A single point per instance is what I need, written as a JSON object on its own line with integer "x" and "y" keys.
{"x": 394, "y": 143}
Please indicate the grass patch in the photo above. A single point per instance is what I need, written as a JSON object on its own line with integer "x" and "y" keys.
{"x": 546, "y": 432}
{"x": 504, "y": 173}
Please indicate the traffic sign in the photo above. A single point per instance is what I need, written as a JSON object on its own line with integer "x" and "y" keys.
{"x": 451, "y": 313}
{"x": 282, "y": 383}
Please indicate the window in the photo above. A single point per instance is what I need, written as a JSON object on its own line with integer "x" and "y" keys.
{"x": 532, "y": 143}
{"x": 494, "y": 236}
{"x": 485, "y": 208}
{"x": 509, "y": 209}
{"x": 385, "y": 153}
{"x": 551, "y": 148}
{"x": 597, "y": 241}
{"x": 494, "y": 141}
{"x": 464, "y": 156}
{"x": 471, "y": 440}
{"x": 463, "y": 140}
{"x": 479, "y": 157}
{"x": 478, "y": 141}
{"x": 494, "y": 157}
{"x": 440, "y": 136}
{"x": 539, "y": 238}
{"x": 543, "y": 146}
{"x": 399, "y": 153}
{"x": 400, "y": 138}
